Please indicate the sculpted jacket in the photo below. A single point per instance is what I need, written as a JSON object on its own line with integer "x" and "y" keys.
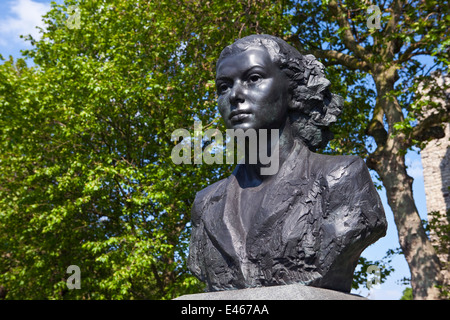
{"x": 308, "y": 224}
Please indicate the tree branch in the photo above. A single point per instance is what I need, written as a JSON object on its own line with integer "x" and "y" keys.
{"x": 346, "y": 60}
{"x": 431, "y": 127}
{"x": 159, "y": 282}
{"x": 408, "y": 54}
{"x": 376, "y": 128}
{"x": 347, "y": 36}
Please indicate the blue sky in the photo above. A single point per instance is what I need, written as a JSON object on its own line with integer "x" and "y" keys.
{"x": 21, "y": 16}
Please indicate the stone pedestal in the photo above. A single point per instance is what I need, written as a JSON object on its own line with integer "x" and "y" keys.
{"x": 287, "y": 292}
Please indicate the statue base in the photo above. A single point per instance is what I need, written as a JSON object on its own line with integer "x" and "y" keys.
{"x": 286, "y": 292}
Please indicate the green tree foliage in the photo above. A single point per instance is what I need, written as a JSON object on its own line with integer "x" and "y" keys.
{"x": 86, "y": 176}
{"x": 361, "y": 276}
{"x": 407, "y": 294}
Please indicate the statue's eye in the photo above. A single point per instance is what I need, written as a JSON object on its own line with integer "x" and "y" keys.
{"x": 254, "y": 78}
{"x": 222, "y": 87}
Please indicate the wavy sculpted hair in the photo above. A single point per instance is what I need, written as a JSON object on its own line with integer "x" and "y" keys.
{"x": 313, "y": 108}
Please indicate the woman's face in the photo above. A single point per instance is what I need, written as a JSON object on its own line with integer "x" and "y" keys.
{"x": 252, "y": 90}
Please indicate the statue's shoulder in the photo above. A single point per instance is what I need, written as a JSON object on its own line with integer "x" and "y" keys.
{"x": 204, "y": 195}
{"x": 339, "y": 166}
{"x": 351, "y": 189}
{"x": 209, "y": 190}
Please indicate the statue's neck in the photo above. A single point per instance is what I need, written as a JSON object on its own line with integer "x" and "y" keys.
{"x": 270, "y": 160}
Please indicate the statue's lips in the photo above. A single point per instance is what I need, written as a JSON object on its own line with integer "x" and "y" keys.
{"x": 240, "y": 115}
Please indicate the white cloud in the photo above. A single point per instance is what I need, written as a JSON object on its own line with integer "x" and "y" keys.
{"x": 385, "y": 294}
{"x": 415, "y": 169}
{"x": 385, "y": 291}
{"x": 22, "y": 19}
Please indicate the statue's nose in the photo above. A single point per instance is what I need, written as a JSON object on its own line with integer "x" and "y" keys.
{"x": 237, "y": 94}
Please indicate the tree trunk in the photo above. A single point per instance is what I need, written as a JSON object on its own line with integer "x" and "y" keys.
{"x": 419, "y": 253}
{"x": 389, "y": 162}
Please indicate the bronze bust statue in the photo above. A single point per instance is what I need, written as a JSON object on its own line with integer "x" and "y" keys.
{"x": 309, "y": 222}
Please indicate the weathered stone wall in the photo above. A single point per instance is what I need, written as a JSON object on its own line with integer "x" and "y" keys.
{"x": 436, "y": 173}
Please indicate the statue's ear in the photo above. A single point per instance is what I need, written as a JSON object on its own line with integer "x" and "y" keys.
{"x": 293, "y": 103}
